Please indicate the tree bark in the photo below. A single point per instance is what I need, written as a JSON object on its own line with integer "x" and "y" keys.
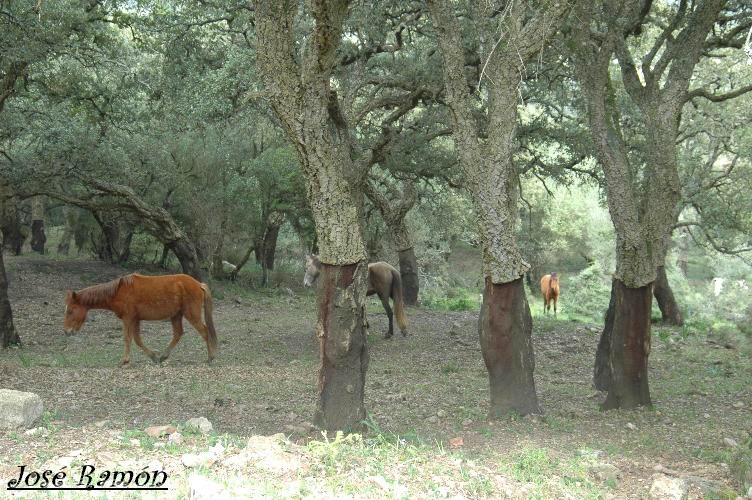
{"x": 629, "y": 347}
{"x": 602, "y": 371}
{"x": 408, "y": 266}
{"x": 185, "y": 251}
{"x": 270, "y": 245}
{"x": 156, "y": 220}
{"x": 243, "y": 261}
{"x": 10, "y": 223}
{"x": 298, "y": 85}
{"x": 342, "y": 338}
{"x": 70, "y": 215}
{"x": 394, "y": 212}
{"x": 670, "y": 312}
{"x": 505, "y": 329}
{"x": 8, "y": 333}
{"x": 38, "y": 238}
{"x": 492, "y": 178}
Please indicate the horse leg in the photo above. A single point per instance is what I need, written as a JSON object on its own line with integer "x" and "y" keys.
{"x": 388, "y": 309}
{"x": 556, "y": 300}
{"x": 193, "y": 315}
{"x": 177, "y": 334}
{"x": 139, "y": 342}
{"x": 127, "y": 340}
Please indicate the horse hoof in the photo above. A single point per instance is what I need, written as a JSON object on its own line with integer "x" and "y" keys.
{"x": 388, "y": 336}
{"x": 156, "y": 358}
{"x": 124, "y": 363}
{"x": 163, "y": 358}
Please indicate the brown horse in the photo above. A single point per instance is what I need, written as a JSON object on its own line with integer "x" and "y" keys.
{"x": 134, "y": 298}
{"x": 383, "y": 280}
{"x": 550, "y": 290}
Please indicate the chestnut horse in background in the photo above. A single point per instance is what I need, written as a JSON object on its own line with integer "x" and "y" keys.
{"x": 383, "y": 280}
{"x": 550, "y": 290}
{"x": 135, "y": 298}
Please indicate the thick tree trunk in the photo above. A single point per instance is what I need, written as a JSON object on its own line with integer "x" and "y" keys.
{"x": 10, "y": 223}
{"x": 506, "y": 343}
{"x": 270, "y": 246}
{"x": 71, "y": 218}
{"x": 602, "y": 371}
{"x": 8, "y": 333}
{"x": 187, "y": 256}
{"x": 301, "y": 97}
{"x": 341, "y": 330}
{"x": 81, "y": 235}
{"x": 628, "y": 343}
{"x": 671, "y": 315}
{"x": 106, "y": 243}
{"x": 38, "y": 238}
{"x": 408, "y": 265}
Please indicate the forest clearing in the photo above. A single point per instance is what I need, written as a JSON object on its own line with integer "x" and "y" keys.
{"x": 424, "y": 391}
{"x": 376, "y": 248}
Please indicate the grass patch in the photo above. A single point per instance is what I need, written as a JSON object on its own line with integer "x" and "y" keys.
{"x": 451, "y": 300}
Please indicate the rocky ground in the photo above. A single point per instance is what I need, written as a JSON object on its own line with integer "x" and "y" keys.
{"x": 427, "y": 397}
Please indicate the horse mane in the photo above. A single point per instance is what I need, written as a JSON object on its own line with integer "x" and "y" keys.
{"x": 97, "y": 294}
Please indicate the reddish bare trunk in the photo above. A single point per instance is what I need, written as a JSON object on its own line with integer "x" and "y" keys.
{"x": 628, "y": 347}
{"x": 8, "y": 333}
{"x": 505, "y": 340}
{"x": 342, "y": 337}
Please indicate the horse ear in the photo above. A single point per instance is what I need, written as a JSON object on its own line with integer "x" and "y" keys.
{"x": 71, "y": 296}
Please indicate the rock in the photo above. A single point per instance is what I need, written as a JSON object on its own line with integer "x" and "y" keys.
{"x": 441, "y": 414}
{"x": 631, "y": 426}
{"x": 467, "y": 422}
{"x": 135, "y": 443}
{"x": 605, "y": 473}
{"x": 270, "y": 453}
{"x": 205, "y": 458}
{"x": 730, "y": 442}
{"x": 159, "y": 444}
{"x": 433, "y": 419}
{"x": 668, "y": 488}
{"x": 738, "y": 405}
{"x": 202, "y": 488}
{"x": 706, "y": 415}
{"x": 200, "y": 423}
{"x": 19, "y": 409}
{"x": 175, "y": 438}
{"x": 101, "y": 423}
{"x": 454, "y": 330}
{"x": 157, "y": 431}
{"x": 38, "y": 431}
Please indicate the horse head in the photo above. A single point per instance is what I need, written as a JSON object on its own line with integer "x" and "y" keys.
{"x": 312, "y": 270}
{"x": 75, "y": 314}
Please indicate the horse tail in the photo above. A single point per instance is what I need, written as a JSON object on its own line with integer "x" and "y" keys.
{"x": 208, "y": 319}
{"x": 399, "y": 303}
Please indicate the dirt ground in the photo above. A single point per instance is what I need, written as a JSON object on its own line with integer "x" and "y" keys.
{"x": 430, "y": 386}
